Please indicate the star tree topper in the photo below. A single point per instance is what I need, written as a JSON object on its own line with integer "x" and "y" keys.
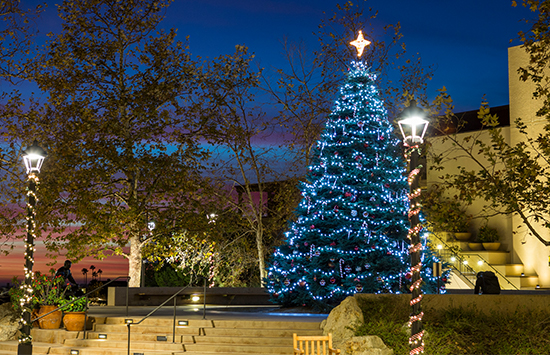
{"x": 360, "y": 43}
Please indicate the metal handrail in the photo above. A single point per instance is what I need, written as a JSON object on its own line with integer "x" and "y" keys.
{"x": 157, "y": 308}
{"x": 86, "y": 295}
{"x": 462, "y": 259}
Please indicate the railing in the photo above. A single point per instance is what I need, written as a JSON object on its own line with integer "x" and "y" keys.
{"x": 174, "y": 321}
{"x": 461, "y": 264}
{"x": 86, "y": 296}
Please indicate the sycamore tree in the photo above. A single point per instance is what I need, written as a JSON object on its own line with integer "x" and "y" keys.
{"x": 16, "y": 39}
{"x": 511, "y": 177}
{"x": 242, "y": 167}
{"x": 116, "y": 86}
{"x": 17, "y": 44}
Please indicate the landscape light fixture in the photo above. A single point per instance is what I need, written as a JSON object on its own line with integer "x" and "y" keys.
{"x": 183, "y": 322}
{"x": 102, "y": 336}
{"x": 128, "y": 321}
{"x": 33, "y": 157}
{"x": 195, "y": 298}
{"x": 74, "y": 352}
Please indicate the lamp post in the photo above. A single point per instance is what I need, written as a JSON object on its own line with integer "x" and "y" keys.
{"x": 413, "y": 127}
{"x": 151, "y": 225}
{"x": 33, "y": 158}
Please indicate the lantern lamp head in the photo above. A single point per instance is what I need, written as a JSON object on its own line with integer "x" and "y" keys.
{"x": 33, "y": 157}
{"x": 412, "y": 124}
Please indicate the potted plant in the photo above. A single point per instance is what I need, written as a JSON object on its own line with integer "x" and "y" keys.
{"x": 49, "y": 292}
{"x": 74, "y": 310}
{"x": 489, "y": 237}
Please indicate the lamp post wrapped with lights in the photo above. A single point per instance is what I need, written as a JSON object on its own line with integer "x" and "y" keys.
{"x": 33, "y": 158}
{"x": 413, "y": 127}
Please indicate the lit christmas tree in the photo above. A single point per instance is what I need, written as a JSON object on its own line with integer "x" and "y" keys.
{"x": 351, "y": 232}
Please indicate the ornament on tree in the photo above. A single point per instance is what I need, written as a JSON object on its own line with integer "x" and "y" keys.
{"x": 358, "y": 287}
{"x": 322, "y": 282}
{"x": 286, "y": 282}
{"x": 353, "y": 213}
{"x": 332, "y": 280}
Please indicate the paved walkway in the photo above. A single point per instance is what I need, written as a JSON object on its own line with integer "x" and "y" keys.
{"x": 212, "y": 312}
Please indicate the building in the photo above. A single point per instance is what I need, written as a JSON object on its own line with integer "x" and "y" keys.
{"x": 522, "y": 262}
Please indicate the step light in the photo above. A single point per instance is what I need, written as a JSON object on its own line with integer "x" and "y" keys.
{"x": 161, "y": 338}
{"x": 128, "y": 321}
{"x": 480, "y": 262}
{"x": 138, "y": 353}
{"x": 102, "y": 336}
{"x": 195, "y": 298}
{"x": 74, "y": 352}
{"x": 183, "y": 322}
{"x": 522, "y": 274}
{"x": 538, "y": 286}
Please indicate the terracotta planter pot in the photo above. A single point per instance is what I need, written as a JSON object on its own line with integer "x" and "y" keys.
{"x": 475, "y": 246}
{"x": 74, "y": 321}
{"x": 491, "y": 246}
{"x": 51, "y": 321}
{"x": 463, "y": 236}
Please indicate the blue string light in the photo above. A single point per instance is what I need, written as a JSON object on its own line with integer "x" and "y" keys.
{"x": 350, "y": 234}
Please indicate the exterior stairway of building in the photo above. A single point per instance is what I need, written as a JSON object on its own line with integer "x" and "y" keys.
{"x": 467, "y": 263}
{"x": 109, "y": 336}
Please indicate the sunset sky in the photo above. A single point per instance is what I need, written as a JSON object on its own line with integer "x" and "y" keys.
{"x": 465, "y": 40}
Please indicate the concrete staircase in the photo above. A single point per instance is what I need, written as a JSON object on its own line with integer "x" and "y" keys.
{"x": 511, "y": 276}
{"x": 154, "y": 336}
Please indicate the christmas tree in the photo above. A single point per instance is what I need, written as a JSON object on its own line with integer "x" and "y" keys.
{"x": 350, "y": 235}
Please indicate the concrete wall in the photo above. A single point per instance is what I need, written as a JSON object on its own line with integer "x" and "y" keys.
{"x": 154, "y": 296}
{"x": 527, "y": 249}
{"x": 455, "y": 158}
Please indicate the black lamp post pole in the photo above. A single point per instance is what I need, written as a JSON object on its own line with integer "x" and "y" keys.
{"x": 417, "y": 332}
{"x": 25, "y": 344}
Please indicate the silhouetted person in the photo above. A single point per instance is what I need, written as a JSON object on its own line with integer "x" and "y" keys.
{"x": 65, "y": 271}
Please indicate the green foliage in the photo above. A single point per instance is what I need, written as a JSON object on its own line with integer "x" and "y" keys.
{"x": 47, "y": 290}
{"x": 488, "y": 235}
{"x": 459, "y": 330}
{"x": 117, "y": 87}
{"x": 77, "y": 305}
{"x": 442, "y": 213}
{"x": 167, "y": 275}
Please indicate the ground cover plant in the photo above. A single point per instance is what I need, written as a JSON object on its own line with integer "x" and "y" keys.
{"x": 458, "y": 330}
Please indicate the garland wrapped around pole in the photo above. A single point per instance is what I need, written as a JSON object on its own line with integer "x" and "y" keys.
{"x": 416, "y": 340}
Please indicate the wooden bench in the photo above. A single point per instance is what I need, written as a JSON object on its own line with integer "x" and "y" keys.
{"x": 313, "y": 345}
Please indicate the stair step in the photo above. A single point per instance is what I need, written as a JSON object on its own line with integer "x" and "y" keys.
{"x": 250, "y": 336}
{"x": 119, "y": 344}
{"x": 159, "y": 321}
{"x": 10, "y": 347}
{"x": 260, "y": 332}
{"x": 238, "y": 349}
